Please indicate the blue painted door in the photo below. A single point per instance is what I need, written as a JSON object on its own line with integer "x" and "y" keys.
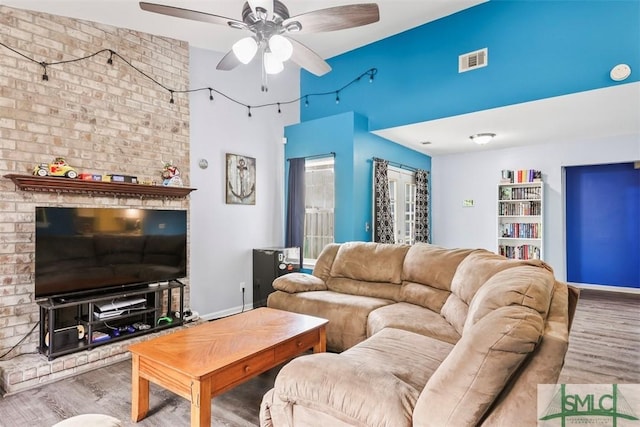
{"x": 603, "y": 224}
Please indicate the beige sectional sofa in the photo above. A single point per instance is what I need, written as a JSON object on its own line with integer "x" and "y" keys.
{"x": 421, "y": 336}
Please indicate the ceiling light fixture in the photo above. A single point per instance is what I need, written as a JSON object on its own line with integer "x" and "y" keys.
{"x": 281, "y": 47}
{"x": 271, "y": 25}
{"x": 245, "y": 49}
{"x": 482, "y": 138}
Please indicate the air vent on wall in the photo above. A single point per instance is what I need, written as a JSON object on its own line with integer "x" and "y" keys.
{"x": 472, "y": 60}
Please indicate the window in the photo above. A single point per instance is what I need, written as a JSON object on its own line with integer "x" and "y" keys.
{"x": 319, "y": 207}
{"x": 402, "y": 192}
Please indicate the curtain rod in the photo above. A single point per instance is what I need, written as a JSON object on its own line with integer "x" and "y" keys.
{"x": 314, "y": 156}
{"x": 396, "y": 164}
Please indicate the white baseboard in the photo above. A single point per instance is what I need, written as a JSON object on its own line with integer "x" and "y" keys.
{"x": 607, "y": 288}
{"x": 227, "y": 312}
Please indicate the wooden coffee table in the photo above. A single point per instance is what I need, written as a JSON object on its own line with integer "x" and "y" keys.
{"x": 203, "y": 361}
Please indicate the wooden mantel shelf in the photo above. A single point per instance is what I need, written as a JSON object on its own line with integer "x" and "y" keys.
{"x": 48, "y": 184}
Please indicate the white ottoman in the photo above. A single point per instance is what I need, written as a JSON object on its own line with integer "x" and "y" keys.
{"x": 90, "y": 420}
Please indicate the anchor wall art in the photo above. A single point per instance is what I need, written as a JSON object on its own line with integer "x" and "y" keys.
{"x": 241, "y": 180}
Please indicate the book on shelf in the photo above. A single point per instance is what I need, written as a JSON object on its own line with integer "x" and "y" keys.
{"x": 505, "y": 193}
{"x": 519, "y": 252}
{"x": 519, "y": 230}
{"x": 520, "y": 176}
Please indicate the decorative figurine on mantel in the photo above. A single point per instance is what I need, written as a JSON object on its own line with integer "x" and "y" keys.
{"x": 58, "y": 167}
{"x": 171, "y": 175}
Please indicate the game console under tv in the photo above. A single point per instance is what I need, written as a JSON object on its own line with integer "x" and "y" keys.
{"x": 119, "y": 304}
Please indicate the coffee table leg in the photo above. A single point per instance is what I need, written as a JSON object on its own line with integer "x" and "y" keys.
{"x": 201, "y": 403}
{"x": 321, "y": 346}
{"x": 139, "y": 391}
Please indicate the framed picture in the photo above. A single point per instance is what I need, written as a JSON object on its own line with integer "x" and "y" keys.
{"x": 241, "y": 180}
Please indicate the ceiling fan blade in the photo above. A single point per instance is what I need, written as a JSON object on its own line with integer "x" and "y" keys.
{"x": 228, "y": 62}
{"x": 335, "y": 18}
{"x": 308, "y": 59}
{"x": 191, "y": 14}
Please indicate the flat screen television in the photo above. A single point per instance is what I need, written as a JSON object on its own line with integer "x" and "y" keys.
{"x": 90, "y": 250}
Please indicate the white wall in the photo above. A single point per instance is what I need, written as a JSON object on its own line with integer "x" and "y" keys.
{"x": 222, "y": 236}
{"x": 476, "y": 175}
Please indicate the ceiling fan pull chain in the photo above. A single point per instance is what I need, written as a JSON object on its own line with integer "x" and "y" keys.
{"x": 264, "y": 87}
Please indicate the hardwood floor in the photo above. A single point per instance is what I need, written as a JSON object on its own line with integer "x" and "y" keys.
{"x": 604, "y": 348}
{"x": 604, "y": 344}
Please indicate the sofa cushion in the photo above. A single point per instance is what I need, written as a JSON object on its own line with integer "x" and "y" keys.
{"x": 478, "y": 368}
{"x": 399, "y": 364}
{"x": 413, "y": 318}
{"x": 299, "y": 282}
{"x": 370, "y": 262}
{"x": 514, "y": 403}
{"x": 472, "y": 273}
{"x": 347, "y": 314}
{"x": 423, "y": 295}
{"x": 432, "y": 265}
{"x": 455, "y": 312}
{"x": 390, "y": 291}
{"x": 527, "y": 286}
{"x": 322, "y": 269}
{"x": 478, "y": 267}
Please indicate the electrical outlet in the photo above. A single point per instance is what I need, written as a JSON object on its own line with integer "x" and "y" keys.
{"x": 242, "y": 287}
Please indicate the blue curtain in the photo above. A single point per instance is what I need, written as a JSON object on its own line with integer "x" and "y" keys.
{"x": 294, "y": 236}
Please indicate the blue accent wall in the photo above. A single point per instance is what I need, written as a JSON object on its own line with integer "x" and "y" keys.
{"x": 347, "y": 135}
{"x": 330, "y": 134}
{"x": 537, "y": 49}
{"x": 603, "y": 224}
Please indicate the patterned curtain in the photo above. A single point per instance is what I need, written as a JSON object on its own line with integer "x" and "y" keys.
{"x": 422, "y": 206}
{"x": 383, "y": 216}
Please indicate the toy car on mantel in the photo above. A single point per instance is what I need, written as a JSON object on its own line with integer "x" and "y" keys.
{"x": 59, "y": 167}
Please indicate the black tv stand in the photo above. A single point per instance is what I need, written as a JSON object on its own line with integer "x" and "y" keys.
{"x": 77, "y": 324}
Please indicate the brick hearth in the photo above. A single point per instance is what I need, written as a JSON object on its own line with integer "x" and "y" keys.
{"x": 28, "y": 371}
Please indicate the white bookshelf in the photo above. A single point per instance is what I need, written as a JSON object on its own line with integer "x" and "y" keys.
{"x": 520, "y": 213}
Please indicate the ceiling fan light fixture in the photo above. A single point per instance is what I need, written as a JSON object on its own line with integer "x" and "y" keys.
{"x": 280, "y": 47}
{"x": 272, "y": 65}
{"x": 482, "y": 138}
{"x": 245, "y": 49}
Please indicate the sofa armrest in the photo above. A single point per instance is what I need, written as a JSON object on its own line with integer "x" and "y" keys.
{"x": 299, "y": 282}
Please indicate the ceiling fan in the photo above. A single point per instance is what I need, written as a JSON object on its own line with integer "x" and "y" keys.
{"x": 271, "y": 25}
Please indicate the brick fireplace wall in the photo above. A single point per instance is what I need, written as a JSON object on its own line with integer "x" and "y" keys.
{"x": 101, "y": 118}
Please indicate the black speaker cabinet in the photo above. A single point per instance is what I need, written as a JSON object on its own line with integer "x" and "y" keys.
{"x": 269, "y": 264}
